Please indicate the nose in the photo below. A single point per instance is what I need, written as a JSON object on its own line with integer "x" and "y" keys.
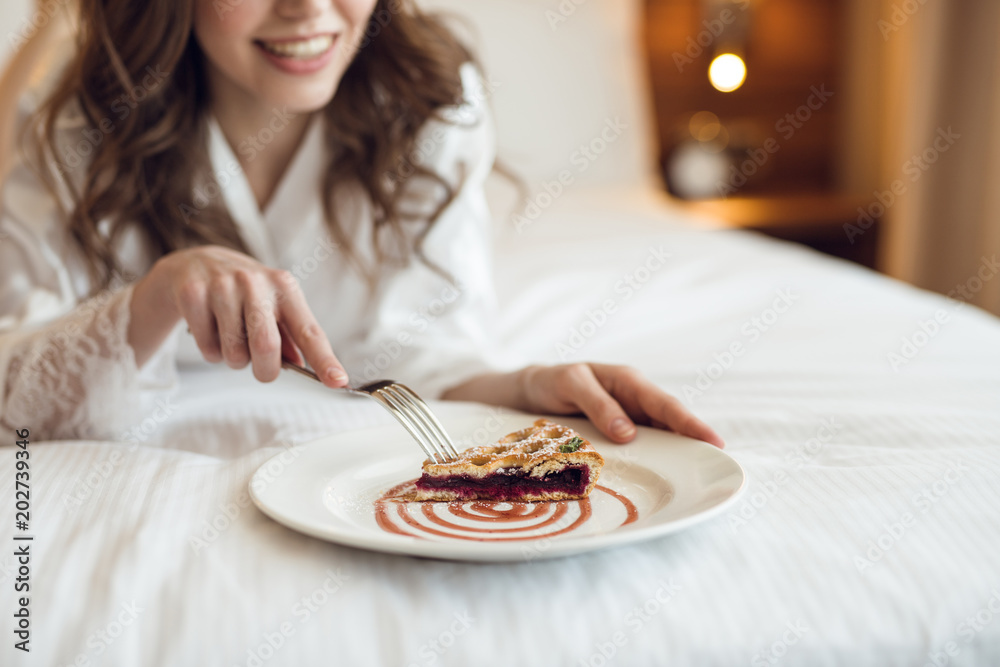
{"x": 300, "y": 9}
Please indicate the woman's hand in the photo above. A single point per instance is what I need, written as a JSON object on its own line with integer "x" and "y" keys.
{"x": 238, "y": 310}
{"x": 614, "y": 398}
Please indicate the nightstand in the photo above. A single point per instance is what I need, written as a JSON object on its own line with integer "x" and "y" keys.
{"x": 831, "y": 223}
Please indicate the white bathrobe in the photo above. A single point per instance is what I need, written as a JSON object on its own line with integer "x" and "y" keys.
{"x": 67, "y": 371}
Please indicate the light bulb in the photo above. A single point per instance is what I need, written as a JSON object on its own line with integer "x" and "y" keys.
{"x": 727, "y": 72}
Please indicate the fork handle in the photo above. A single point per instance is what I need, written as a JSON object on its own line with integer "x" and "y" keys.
{"x": 301, "y": 370}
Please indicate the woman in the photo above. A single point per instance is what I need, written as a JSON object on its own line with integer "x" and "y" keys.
{"x": 193, "y": 159}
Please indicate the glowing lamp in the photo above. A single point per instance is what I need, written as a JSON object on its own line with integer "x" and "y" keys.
{"x": 727, "y": 72}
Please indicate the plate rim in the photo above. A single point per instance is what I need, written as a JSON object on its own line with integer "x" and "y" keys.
{"x": 474, "y": 551}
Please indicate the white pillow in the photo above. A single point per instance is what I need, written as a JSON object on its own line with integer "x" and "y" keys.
{"x": 569, "y": 83}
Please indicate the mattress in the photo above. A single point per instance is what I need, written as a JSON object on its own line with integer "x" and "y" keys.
{"x": 866, "y": 413}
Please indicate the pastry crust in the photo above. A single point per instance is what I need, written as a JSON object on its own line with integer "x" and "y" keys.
{"x": 530, "y": 454}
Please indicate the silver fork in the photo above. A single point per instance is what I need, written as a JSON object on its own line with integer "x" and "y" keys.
{"x": 408, "y": 409}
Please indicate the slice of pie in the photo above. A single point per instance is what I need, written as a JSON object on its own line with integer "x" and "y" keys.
{"x": 545, "y": 461}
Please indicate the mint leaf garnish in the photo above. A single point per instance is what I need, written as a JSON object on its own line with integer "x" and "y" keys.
{"x": 572, "y": 445}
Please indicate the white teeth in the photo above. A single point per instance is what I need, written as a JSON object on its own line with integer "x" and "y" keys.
{"x": 302, "y": 49}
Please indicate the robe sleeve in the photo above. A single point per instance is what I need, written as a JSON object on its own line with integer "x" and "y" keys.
{"x": 66, "y": 368}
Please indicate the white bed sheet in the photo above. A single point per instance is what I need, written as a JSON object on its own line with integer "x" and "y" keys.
{"x": 127, "y": 570}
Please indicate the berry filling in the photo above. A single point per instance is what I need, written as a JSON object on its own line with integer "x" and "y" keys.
{"x": 510, "y": 483}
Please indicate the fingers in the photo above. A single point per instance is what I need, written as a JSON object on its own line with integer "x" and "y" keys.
{"x": 242, "y": 312}
{"x": 647, "y": 404}
{"x": 593, "y": 400}
{"x": 227, "y": 306}
{"x": 669, "y": 411}
{"x": 263, "y": 337}
{"x": 288, "y": 349}
{"x": 194, "y": 308}
{"x": 306, "y": 333}
{"x": 645, "y": 401}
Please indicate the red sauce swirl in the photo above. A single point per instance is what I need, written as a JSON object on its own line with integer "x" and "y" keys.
{"x": 533, "y": 515}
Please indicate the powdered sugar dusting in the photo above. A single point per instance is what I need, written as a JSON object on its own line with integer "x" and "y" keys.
{"x": 530, "y": 445}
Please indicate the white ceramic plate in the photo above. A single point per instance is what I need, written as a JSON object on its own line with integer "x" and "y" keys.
{"x": 329, "y": 488}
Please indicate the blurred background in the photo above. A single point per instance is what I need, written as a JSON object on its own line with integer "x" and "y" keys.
{"x": 861, "y": 128}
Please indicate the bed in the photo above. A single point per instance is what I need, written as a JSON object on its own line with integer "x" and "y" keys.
{"x": 865, "y": 412}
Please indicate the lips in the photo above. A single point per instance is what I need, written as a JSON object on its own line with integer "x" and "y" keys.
{"x": 300, "y": 56}
{"x": 298, "y": 49}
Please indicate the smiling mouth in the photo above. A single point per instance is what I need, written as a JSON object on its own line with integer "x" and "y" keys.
{"x": 300, "y": 49}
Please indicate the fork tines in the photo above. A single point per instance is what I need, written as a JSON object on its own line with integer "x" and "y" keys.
{"x": 411, "y": 411}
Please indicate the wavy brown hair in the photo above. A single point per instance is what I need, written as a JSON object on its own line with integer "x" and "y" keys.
{"x": 138, "y": 80}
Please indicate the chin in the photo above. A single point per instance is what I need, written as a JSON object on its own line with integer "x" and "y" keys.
{"x": 302, "y": 98}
